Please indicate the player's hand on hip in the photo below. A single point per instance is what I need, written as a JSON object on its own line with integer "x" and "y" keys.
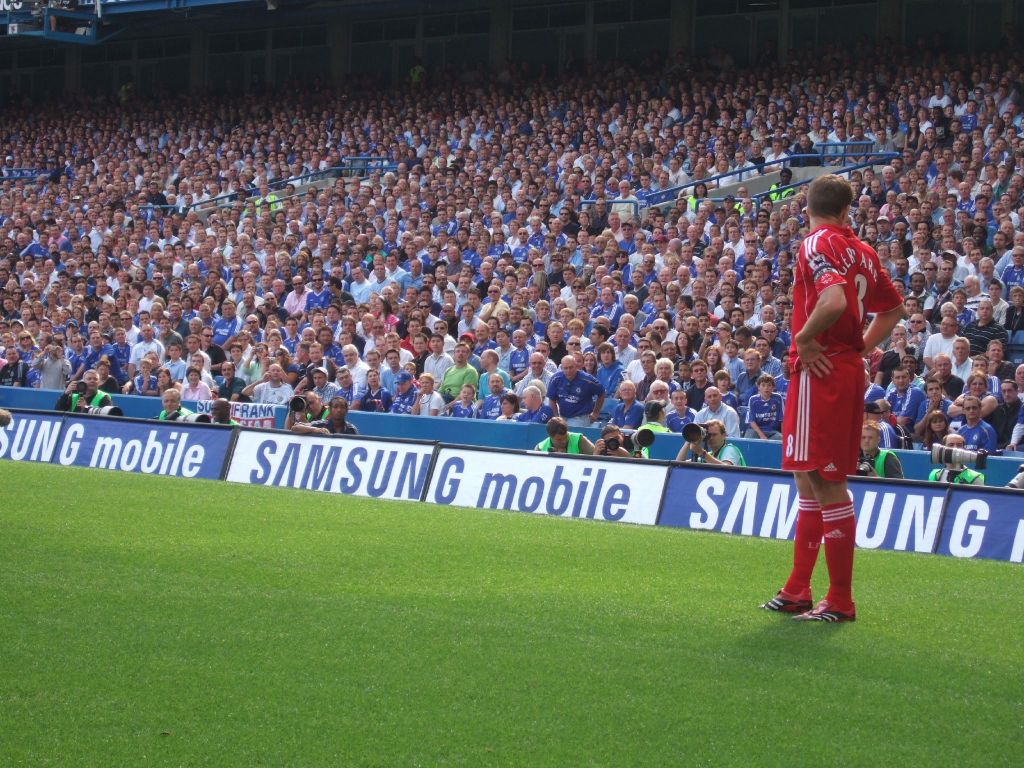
{"x": 812, "y": 357}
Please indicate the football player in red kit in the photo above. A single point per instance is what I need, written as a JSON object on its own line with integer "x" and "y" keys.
{"x": 837, "y": 280}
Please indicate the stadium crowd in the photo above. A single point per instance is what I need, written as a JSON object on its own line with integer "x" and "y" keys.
{"x": 507, "y": 263}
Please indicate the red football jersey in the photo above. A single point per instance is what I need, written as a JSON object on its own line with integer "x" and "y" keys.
{"x": 833, "y": 256}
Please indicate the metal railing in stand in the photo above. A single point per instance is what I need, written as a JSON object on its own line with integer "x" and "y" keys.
{"x": 880, "y": 157}
{"x": 22, "y": 173}
{"x": 828, "y": 152}
{"x": 351, "y": 167}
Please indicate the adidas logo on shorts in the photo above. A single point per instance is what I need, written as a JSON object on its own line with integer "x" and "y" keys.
{"x": 835, "y": 533}
{"x": 830, "y": 467}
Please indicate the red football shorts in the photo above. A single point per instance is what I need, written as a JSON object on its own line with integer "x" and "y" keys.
{"x": 823, "y": 417}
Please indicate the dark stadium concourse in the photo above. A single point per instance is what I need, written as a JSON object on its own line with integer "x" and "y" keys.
{"x": 240, "y": 44}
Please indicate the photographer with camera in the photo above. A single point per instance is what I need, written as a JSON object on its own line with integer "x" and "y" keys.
{"x": 954, "y": 458}
{"x": 53, "y": 366}
{"x": 81, "y": 396}
{"x": 561, "y": 440}
{"x": 612, "y": 443}
{"x": 174, "y": 411}
{"x": 708, "y": 444}
{"x": 335, "y": 423}
{"x": 875, "y": 461}
{"x": 305, "y": 409}
{"x": 655, "y": 414}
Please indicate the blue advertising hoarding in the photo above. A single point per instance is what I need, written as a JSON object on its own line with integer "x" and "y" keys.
{"x": 30, "y": 436}
{"x": 989, "y": 524}
{"x": 147, "y": 447}
{"x": 895, "y": 515}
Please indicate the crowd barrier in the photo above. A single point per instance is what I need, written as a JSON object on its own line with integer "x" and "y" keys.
{"x": 478, "y": 432}
{"x": 904, "y": 516}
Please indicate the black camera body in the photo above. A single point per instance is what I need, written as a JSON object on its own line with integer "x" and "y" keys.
{"x": 864, "y": 468}
{"x": 80, "y": 388}
{"x": 632, "y": 442}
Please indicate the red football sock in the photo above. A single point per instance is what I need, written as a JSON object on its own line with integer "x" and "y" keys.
{"x": 840, "y": 537}
{"x": 806, "y": 543}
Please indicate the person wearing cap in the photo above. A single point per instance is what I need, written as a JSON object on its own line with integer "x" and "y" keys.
{"x": 335, "y": 423}
{"x": 322, "y": 386}
{"x": 776, "y": 191}
{"x": 655, "y": 413}
{"x": 406, "y": 394}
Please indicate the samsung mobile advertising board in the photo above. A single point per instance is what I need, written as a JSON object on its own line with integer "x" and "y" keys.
{"x": 31, "y": 436}
{"x": 562, "y": 486}
{"x": 896, "y": 515}
{"x": 382, "y": 469}
{"x": 147, "y": 447}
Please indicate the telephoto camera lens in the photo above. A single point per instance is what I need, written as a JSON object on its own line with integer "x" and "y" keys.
{"x": 693, "y": 433}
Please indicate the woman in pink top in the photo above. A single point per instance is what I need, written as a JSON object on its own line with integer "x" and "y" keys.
{"x": 195, "y": 389}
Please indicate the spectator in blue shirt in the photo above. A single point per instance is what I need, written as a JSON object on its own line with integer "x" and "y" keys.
{"x": 764, "y": 411}
{"x": 628, "y": 414}
{"x": 535, "y": 411}
{"x": 406, "y": 394}
{"x": 227, "y": 325}
{"x": 464, "y": 407}
{"x": 747, "y": 381}
{"x": 574, "y": 395}
{"x": 904, "y": 398}
{"x": 375, "y": 399}
{"x": 490, "y": 407}
{"x": 681, "y": 414}
{"x": 977, "y": 434}
{"x": 609, "y": 370}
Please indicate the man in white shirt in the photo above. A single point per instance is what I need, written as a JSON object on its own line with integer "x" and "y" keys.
{"x": 438, "y": 361}
{"x": 147, "y": 343}
{"x": 714, "y": 408}
{"x": 272, "y": 389}
{"x": 295, "y": 302}
{"x": 355, "y": 366}
{"x": 941, "y": 342}
{"x": 742, "y": 168}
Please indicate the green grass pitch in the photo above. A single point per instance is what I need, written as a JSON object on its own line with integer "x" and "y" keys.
{"x": 153, "y": 621}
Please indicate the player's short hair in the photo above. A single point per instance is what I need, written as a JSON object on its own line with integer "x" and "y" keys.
{"x": 828, "y": 196}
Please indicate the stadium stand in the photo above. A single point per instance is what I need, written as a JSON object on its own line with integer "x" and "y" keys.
{"x": 460, "y": 223}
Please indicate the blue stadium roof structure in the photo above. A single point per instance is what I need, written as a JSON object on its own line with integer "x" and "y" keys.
{"x": 93, "y": 22}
